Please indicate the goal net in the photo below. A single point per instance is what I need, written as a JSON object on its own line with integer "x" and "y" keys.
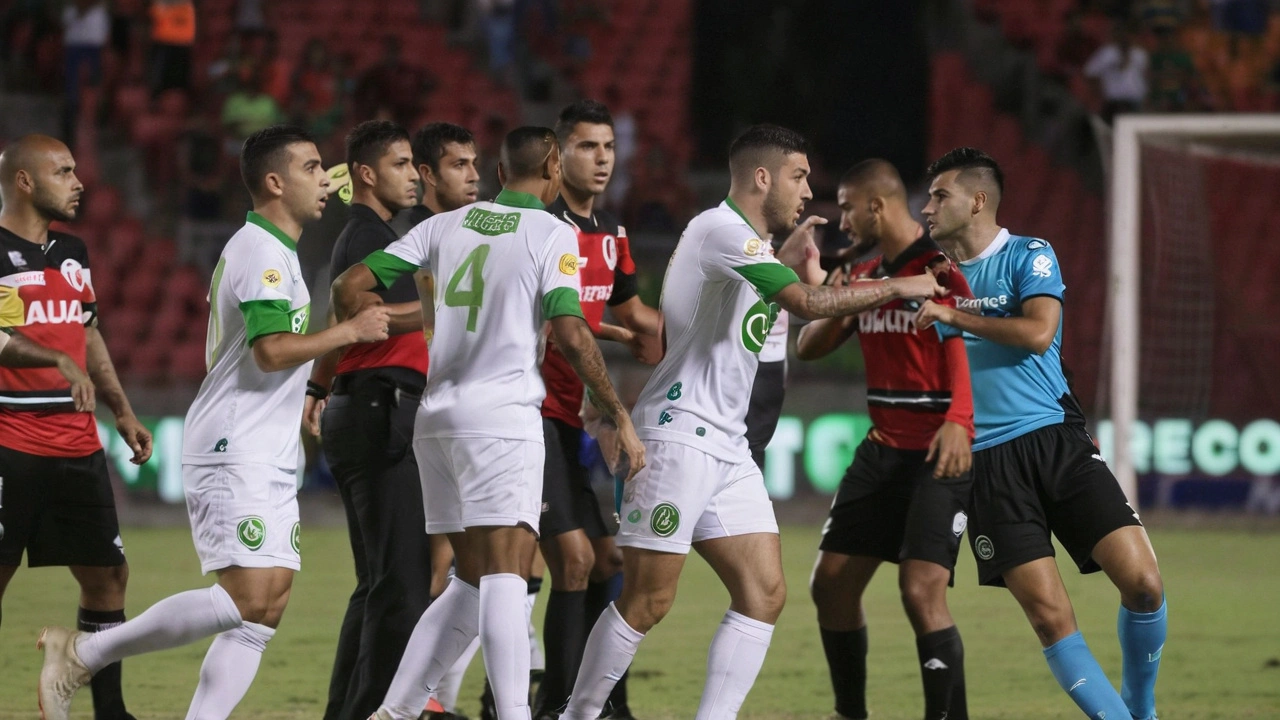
{"x": 1191, "y": 373}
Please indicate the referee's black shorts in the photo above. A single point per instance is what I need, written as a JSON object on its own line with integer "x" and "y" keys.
{"x": 568, "y": 502}
{"x": 1051, "y": 480}
{"x": 889, "y": 506}
{"x": 61, "y": 511}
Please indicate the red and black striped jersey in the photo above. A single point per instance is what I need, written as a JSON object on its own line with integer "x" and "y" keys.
{"x": 46, "y": 294}
{"x": 909, "y": 381}
{"x": 608, "y": 278}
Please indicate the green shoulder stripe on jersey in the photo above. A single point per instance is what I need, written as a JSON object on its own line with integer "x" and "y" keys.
{"x": 265, "y": 317}
{"x": 768, "y": 278}
{"x": 513, "y": 198}
{"x": 561, "y": 301}
{"x": 256, "y": 219}
{"x": 734, "y": 207}
{"x": 387, "y": 268}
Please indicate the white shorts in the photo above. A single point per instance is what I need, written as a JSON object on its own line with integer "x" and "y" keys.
{"x": 243, "y": 516}
{"x": 684, "y": 496}
{"x": 479, "y": 482}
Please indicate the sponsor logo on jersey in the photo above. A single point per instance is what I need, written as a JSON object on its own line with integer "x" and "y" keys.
{"x": 1037, "y": 244}
{"x": 16, "y": 258}
{"x": 675, "y": 392}
{"x": 75, "y": 274}
{"x": 487, "y": 222}
{"x": 298, "y": 319}
{"x": 272, "y": 278}
{"x": 664, "y": 418}
{"x": 220, "y": 446}
{"x": 959, "y": 523}
{"x": 54, "y": 312}
{"x": 1042, "y": 266}
{"x": 252, "y": 532}
{"x": 892, "y": 321}
{"x": 757, "y": 324}
{"x": 634, "y": 516}
{"x": 609, "y": 248}
{"x": 597, "y": 293}
{"x": 31, "y": 277}
{"x": 569, "y": 264}
{"x": 983, "y": 548}
{"x": 664, "y": 520}
{"x": 983, "y": 303}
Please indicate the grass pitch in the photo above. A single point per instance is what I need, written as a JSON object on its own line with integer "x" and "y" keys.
{"x": 1222, "y": 659}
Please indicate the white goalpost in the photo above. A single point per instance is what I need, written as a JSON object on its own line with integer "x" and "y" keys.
{"x": 1238, "y": 133}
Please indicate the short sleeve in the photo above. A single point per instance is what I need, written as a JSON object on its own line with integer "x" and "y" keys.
{"x": 732, "y": 252}
{"x": 264, "y": 286}
{"x": 88, "y": 296}
{"x": 559, "y": 281}
{"x": 625, "y": 285}
{"x": 1037, "y": 273}
{"x": 403, "y": 256}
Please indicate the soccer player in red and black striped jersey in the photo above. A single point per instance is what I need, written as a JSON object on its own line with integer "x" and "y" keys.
{"x": 905, "y": 497}
{"x": 58, "y": 504}
{"x": 576, "y": 541}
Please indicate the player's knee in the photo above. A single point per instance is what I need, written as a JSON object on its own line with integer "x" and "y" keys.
{"x": 921, "y": 597}
{"x": 575, "y": 568}
{"x": 773, "y": 597}
{"x": 1051, "y": 623}
{"x": 105, "y": 585}
{"x": 1144, "y": 593}
{"x": 642, "y": 612}
{"x": 825, "y": 585}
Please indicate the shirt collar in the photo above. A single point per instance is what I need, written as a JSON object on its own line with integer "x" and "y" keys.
{"x": 513, "y": 198}
{"x": 1002, "y": 239}
{"x": 734, "y": 207}
{"x": 256, "y": 219}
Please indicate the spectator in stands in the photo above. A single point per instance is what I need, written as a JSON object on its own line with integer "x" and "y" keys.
{"x": 201, "y": 230}
{"x": 318, "y": 89}
{"x": 173, "y": 33}
{"x": 86, "y": 26}
{"x": 624, "y": 138}
{"x": 392, "y": 90}
{"x": 1174, "y": 83}
{"x": 225, "y": 72}
{"x": 248, "y": 110}
{"x": 277, "y": 72}
{"x": 1075, "y": 46}
{"x": 1120, "y": 67}
{"x": 37, "y": 16}
{"x": 500, "y": 31}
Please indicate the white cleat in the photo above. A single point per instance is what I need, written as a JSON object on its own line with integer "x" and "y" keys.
{"x": 382, "y": 715}
{"x": 62, "y": 674}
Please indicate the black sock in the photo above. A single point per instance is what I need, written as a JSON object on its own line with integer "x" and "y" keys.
{"x": 534, "y": 584}
{"x": 847, "y": 660}
{"x": 597, "y": 599}
{"x": 941, "y": 656}
{"x": 108, "y": 700}
{"x": 563, "y": 641}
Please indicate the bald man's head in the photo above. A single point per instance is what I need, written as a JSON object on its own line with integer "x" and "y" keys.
{"x": 38, "y": 172}
{"x": 870, "y": 193}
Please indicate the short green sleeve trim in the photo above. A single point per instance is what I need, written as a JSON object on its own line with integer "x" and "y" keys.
{"x": 388, "y": 268}
{"x": 768, "y": 278}
{"x": 265, "y": 317}
{"x": 561, "y": 301}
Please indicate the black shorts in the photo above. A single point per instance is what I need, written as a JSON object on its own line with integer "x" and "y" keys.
{"x": 889, "y": 506}
{"x": 1051, "y": 480}
{"x": 767, "y": 393}
{"x": 61, "y": 511}
{"x": 568, "y": 502}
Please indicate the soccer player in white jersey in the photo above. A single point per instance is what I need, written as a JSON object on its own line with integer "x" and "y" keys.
{"x": 504, "y": 268}
{"x": 240, "y": 446}
{"x": 721, "y": 295}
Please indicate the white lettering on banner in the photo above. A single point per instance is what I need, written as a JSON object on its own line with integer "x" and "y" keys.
{"x": 1175, "y": 446}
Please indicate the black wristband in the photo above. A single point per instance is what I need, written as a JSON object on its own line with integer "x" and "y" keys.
{"x": 316, "y": 390}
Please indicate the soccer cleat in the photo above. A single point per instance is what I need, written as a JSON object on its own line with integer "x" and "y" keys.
{"x": 62, "y": 673}
{"x": 380, "y": 715}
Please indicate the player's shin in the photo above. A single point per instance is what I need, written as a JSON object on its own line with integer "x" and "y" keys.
{"x": 610, "y": 650}
{"x": 1142, "y": 637}
{"x": 443, "y": 633}
{"x": 176, "y": 620}
{"x": 108, "y": 700}
{"x": 228, "y": 670}
{"x": 504, "y": 637}
{"x": 941, "y": 655}
{"x": 1080, "y": 676}
{"x": 733, "y": 662}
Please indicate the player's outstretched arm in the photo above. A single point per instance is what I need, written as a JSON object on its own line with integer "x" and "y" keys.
{"x": 1033, "y": 331}
{"x": 17, "y": 351}
{"x": 813, "y": 302}
{"x": 573, "y": 337}
{"x": 353, "y": 290}
{"x": 103, "y": 373}
{"x": 820, "y": 338}
{"x": 283, "y": 350}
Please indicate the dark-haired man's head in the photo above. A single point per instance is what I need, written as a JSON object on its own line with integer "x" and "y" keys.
{"x": 964, "y": 184}
{"x": 585, "y": 132}
{"x": 38, "y": 171}
{"x": 445, "y": 155}
{"x": 531, "y": 162}
{"x": 770, "y": 165}
{"x": 869, "y": 194}
{"x": 381, "y": 165}
{"x": 281, "y": 164}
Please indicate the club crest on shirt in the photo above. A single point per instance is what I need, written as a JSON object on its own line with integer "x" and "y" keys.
{"x": 74, "y": 273}
{"x": 1042, "y": 266}
{"x": 272, "y": 278}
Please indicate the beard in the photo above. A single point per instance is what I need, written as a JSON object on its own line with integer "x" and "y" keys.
{"x": 778, "y": 215}
{"x": 48, "y": 207}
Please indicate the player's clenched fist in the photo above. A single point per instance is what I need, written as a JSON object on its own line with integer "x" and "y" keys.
{"x": 370, "y": 324}
{"x": 631, "y": 447}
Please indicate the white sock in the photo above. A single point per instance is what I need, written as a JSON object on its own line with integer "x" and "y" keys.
{"x": 228, "y": 671}
{"x": 733, "y": 662}
{"x": 610, "y": 649}
{"x": 448, "y": 626}
{"x": 504, "y": 635}
{"x": 451, "y": 684}
{"x": 537, "y": 661}
{"x": 175, "y": 620}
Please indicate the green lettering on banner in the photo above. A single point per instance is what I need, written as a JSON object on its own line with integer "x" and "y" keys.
{"x": 829, "y": 447}
{"x": 487, "y": 222}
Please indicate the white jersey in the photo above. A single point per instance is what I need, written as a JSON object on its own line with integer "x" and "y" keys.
{"x": 775, "y": 346}
{"x": 502, "y": 269}
{"x": 243, "y": 415}
{"x": 717, "y": 317}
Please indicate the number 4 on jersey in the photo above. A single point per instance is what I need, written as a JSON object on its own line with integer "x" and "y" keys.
{"x": 473, "y": 298}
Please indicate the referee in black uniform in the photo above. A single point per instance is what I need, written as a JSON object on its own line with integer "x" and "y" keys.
{"x": 367, "y": 434}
